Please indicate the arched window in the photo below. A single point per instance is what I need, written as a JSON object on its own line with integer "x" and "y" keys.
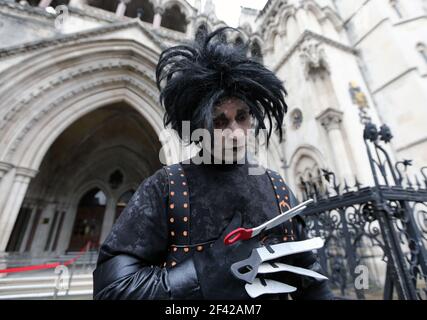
{"x": 256, "y": 52}
{"x": 309, "y": 178}
{"x": 421, "y": 48}
{"x": 174, "y": 19}
{"x": 123, "y": 201}
{"x": 109, "y": 5}
{"x": 143, "y": 9}
{"x": 239, "y": 42}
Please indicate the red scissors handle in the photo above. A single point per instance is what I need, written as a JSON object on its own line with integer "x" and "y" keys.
{"x": 238, "y": 234}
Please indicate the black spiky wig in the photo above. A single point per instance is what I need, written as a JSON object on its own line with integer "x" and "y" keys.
{"x": 194, "y": 78}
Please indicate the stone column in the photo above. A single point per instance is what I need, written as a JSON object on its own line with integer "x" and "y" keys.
{"x": 6, "y": 180}
{"x": 66, "y": 231}
{"x": 58, "y": 228}
{"x": 42, "y": 230}
{"x": 4, "y": 168}
{"x": 331, "y": 120}
{"x": 28, "y": 228}
{"x": 13, "y": 203}
{"x": 44, "y": 3}
{"x": 109, "y": 215}
{"x": 302, "y": 20}
{"x": 121, "y": 8}
{"x": 158, "y": 12}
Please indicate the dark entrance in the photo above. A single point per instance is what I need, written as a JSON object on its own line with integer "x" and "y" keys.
{"x": 88, "y": 222}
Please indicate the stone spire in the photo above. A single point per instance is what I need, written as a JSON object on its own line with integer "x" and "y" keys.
{"x": 209, "y": 8}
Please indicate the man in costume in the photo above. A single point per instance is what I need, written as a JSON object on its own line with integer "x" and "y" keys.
{"x": 168, "y": 243}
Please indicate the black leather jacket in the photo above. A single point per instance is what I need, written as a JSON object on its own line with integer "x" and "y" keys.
{"x": 130, "y": 262}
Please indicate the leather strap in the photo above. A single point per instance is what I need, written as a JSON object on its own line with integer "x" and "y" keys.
{"x": 283, "y": 202}
{"x": 179, "y": 216}
{"x": 179, "y": 213}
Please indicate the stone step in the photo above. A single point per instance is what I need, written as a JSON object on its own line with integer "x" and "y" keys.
{"x": 38, "y": 279}
{"x": 40, "y": 287}
{"x": 43, "y": 287}
{"x": 62, "y": 295}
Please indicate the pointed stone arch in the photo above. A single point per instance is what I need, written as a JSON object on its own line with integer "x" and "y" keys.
{"x": 332, "y": 16}
{"x": 313, "y": 7}
{"x": 304, "y": 152}
{"x": 186, "y": 8}
{"x": 284, "y": 16}
{"x": 177, "y": 15}
{"x": 53, "y": 88}
{"x": 128, "y": 70}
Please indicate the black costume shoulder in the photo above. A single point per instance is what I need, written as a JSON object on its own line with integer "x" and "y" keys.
{"x": 128, "y": 265}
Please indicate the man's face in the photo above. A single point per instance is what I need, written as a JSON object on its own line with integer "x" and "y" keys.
{"x": 231, "y": 121}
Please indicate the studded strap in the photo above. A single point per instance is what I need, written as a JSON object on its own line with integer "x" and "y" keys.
{"x": 179, "y": 213}
{"x": 179, "y": 216}
{"x": 178, "y": 206}
{"x": 283, "y": 202}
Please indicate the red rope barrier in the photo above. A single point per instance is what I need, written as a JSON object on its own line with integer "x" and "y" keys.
{"x": 47, "y": 265}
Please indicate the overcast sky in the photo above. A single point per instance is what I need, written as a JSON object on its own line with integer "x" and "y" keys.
{"x": 229, "y": 10}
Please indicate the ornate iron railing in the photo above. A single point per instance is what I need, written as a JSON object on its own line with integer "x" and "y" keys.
{"x": 375, "y": 236}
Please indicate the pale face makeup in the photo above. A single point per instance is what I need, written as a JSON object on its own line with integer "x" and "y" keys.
{"x": 231, "y": 121}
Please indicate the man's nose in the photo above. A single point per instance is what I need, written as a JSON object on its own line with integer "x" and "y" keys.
{"x": 236, "y": 131}
{"x": 234, "y": 126}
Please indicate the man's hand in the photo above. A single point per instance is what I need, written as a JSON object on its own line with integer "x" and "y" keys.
{"x": 213, "y": 265}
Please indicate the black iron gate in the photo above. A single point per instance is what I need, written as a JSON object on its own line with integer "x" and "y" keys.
{"x": 375, "y": 236}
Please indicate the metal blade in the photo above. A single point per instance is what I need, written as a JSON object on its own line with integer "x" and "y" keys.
{"x": 287, "y": 248}
{"x": 281, "y": 217}
{"x": 270, "y": 267}
{"x": 257, "y": 288}
{"x": 247, "y": 269}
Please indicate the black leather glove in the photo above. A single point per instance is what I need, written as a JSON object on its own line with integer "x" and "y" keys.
{"x": 213, "y": 265}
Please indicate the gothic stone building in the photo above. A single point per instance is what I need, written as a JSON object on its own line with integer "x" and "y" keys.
{"x": 81, "y": 125}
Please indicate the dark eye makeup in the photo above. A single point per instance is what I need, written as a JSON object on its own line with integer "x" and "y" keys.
{"x": 221, "y": 120}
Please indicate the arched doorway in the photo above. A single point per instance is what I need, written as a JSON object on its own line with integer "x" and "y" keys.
{"x": 89, "y": 218}
{"x": 112, "y": 149}
{"x": 50, "y": 155}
